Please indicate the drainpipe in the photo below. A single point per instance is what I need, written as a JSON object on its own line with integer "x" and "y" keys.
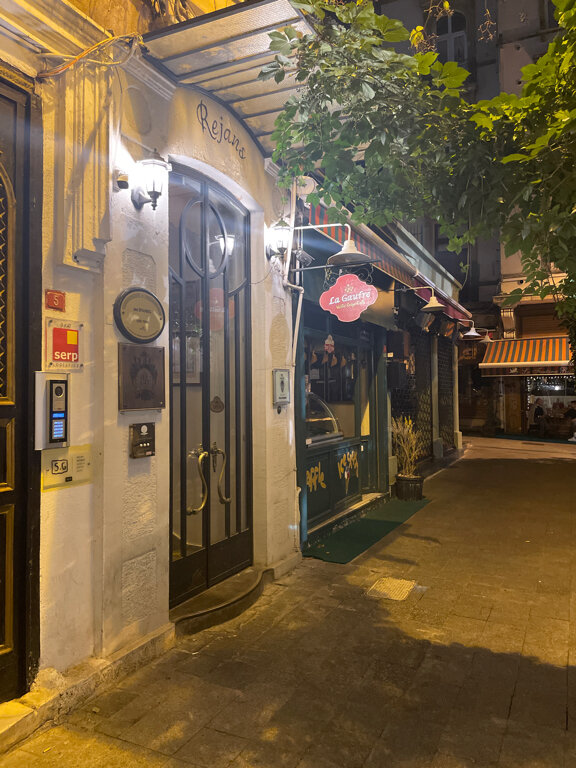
{"x": 299, "y": 289}
{"x": 300, "y": 508}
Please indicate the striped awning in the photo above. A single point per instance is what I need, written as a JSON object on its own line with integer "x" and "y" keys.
{"x": 550, "y": 351}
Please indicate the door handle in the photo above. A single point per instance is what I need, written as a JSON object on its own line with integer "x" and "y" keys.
{"x": 215, "y": 451}
{"x": 200, "y": 456}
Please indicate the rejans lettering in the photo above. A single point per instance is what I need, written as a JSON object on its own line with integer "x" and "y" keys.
{"x": 217, "y": 132}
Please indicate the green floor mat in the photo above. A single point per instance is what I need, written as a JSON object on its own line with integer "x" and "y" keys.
{"x": 347, "y": 542}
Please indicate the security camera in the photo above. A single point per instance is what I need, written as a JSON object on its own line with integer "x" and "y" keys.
{"x": 122, "y": 180}
{"x": 303, "y": 258}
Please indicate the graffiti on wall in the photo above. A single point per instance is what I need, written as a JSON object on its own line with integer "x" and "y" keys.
{"x": 315, "y": 477}
{"x": 348, "y": 464}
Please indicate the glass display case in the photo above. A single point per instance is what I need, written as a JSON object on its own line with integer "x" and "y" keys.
{"x": 321, "y": 424}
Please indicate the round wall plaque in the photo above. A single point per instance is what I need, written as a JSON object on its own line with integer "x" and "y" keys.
{"x": 139, "y": 315}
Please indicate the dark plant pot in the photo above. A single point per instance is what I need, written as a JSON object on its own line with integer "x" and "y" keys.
{"x": 409, "y": 488}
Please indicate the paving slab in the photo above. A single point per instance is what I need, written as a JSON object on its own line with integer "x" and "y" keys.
{"x": 472, "y": 670}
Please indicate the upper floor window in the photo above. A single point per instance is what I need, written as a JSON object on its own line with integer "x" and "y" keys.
{"x": 548, "y": 20}
{"x": 451, "y": 42}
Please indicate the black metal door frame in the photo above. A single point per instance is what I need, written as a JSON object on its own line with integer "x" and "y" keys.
{"x": 19, "y": 663}
{"x": 194, "y": 573}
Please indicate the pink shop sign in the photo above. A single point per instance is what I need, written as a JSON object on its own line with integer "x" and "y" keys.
{"x": 348, "y": 298}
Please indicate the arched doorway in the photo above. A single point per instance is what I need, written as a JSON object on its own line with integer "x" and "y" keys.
{"x": 211, "y": 469}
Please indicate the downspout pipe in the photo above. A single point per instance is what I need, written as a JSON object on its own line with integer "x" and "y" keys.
{"x": 288, "y": 286}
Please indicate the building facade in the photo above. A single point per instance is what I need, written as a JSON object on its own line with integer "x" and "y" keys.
{"x": 144, "y": 329}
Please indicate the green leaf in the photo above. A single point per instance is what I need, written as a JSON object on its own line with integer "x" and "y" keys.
{"x": 515, "y": 157}
{"x": 482, "y": 120}
{"x": 368, "y": 91}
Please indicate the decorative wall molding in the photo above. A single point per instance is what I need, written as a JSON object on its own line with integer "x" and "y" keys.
{"x": 82, "y": 173}
{"x": 49, "y": 26}
{"x": 508, "y": 322}
{"x": 146, "y": 74}
{"x": 271, "y": 168}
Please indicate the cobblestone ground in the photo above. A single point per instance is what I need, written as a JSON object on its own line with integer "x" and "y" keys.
{"x": 472, "y": 670}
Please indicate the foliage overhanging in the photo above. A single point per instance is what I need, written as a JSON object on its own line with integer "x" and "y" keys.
{"x": 396, "y": 138}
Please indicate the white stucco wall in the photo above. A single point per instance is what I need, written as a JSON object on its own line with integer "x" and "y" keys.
{"x": 112, "y": 551}
{"x": 68, "y": 588}
{"x": 104, "y": 545}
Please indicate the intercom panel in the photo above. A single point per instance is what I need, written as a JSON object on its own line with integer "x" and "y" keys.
{"x": 57, "y": 412}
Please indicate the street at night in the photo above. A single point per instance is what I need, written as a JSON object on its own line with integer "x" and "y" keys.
{"x": 470, "y": 670}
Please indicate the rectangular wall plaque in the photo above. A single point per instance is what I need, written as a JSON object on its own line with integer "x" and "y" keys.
{"x": 281, "y": 379}
{"x": 64, "y": 345}
{"x": 140, "y": 377}
{"x": 63, "y": 467}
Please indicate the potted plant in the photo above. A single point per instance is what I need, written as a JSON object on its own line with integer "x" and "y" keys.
{"x": 407, "y": 446}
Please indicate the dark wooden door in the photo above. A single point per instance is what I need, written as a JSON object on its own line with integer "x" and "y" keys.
{"x": 211, "y": 520}
{"x": 18, "y": 558}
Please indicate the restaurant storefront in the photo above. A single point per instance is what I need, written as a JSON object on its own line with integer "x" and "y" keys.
{"x": 353, "y": 377}
{"x": 525, "y": 373}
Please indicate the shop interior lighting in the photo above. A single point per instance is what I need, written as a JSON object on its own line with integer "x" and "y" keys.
{"x": 226, "y": 243}
{"x": 153, "y": 170}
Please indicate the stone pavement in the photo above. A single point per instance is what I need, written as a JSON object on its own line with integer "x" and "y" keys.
{"x": 472, "y": 669}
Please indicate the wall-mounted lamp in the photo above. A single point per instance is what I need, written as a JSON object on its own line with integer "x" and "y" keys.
{"x": 153, "y": 169}
{"x": 473, "y": 335}
{"x": 433, "y": 305}
{"x": 281, "y": 235}
{"x": 279, "y": 238}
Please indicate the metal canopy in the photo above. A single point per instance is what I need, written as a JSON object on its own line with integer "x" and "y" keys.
{"x": 221, "y": 54}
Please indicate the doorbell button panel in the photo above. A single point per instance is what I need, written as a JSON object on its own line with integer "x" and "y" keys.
{"x": 142, "y": 440}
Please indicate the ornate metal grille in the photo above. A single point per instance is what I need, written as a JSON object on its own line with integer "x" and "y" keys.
{"x": 4, "y": 234}
{"x": 445, "y": 392}
{"x": 421, "y": 342}
{"x": 414, "y": 399}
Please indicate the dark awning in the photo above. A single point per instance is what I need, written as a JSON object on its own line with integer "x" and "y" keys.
{"x": 221, "y": 54}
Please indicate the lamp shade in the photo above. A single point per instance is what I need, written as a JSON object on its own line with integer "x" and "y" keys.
{"x": 433, "y": 305}
{"x": 472, "y": 334}
{"x": 348, "y": 256}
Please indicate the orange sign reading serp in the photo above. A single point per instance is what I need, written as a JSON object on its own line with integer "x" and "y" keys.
{"x": 65, "y": 345}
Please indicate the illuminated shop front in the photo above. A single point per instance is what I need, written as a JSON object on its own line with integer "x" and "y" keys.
{"x": 353, "y": 377}
{"x": 523, "y": 371}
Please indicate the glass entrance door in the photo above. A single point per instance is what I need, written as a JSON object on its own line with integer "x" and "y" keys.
{"x": 211, "y": 536}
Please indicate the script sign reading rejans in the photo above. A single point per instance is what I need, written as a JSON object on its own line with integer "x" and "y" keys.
{"x": 217, "y": 132}
{"x": 348, "y": 298}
